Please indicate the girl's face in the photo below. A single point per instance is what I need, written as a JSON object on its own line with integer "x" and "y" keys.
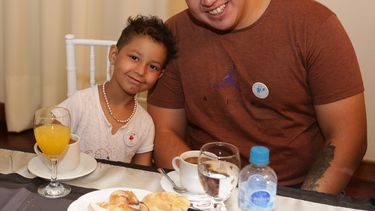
{"x": 220, "y": 14}
{"x": 138, "y": 64}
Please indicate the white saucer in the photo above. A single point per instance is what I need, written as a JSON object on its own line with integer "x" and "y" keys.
{"x": 87, "y": 165}
{"x": 167, "y": 186}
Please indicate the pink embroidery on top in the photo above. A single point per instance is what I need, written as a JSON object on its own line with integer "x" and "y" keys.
{"x": 131, "y": 137}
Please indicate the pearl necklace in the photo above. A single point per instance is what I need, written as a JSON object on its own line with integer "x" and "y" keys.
{"x": 110, "y": 110}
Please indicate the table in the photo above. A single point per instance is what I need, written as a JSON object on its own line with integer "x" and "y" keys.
{"x": 18, "y": 187}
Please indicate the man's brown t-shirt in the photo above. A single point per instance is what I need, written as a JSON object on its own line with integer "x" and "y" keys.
{"x": 259, "y": 85}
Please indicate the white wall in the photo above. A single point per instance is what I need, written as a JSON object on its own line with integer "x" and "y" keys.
{"x": 358, "y": 18}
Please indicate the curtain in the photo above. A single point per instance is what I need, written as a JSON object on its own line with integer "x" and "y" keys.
{"x": 32, "y": 45}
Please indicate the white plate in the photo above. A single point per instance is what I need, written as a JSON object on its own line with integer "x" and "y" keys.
{"x": 167, "y": 186}
{"x": 83, "y": 202}
{"x": 87, "y": 165}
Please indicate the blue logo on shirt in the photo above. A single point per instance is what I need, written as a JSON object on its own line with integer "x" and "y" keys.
{"x": 229, "y": 80}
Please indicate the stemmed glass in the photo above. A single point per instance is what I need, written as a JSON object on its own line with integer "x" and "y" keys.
{"x": 218, "y": 170}
{"x": 52, "y": 134}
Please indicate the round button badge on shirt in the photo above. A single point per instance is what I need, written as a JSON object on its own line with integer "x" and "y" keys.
{"x": 260, "y": 90}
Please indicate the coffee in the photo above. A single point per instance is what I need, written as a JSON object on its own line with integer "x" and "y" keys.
{"x": 193, "y": 160}
{"x": 72, "y": 141}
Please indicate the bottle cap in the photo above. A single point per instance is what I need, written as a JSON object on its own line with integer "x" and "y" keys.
{"x": 259, "y": 155}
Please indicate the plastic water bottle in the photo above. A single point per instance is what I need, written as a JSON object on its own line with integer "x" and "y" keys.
{"x": 257, "y": 182}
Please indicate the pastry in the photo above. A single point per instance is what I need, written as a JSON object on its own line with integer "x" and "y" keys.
{"x": 164, "y": 201}
{"x": 123, "y": 196}
{"x": 119, "y": 200}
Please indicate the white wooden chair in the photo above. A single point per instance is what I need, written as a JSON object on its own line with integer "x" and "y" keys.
{"x": 93, "y": 44}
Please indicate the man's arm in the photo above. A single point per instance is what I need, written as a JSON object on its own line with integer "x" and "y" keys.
{"x": 170, "y": 126}
{"x": 343, "y": 124}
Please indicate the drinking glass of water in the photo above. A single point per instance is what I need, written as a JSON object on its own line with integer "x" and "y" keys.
{"x": 218, "y": 169}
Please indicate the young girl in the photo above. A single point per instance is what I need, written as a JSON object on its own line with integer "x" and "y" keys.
{"x": 110, "y": 122}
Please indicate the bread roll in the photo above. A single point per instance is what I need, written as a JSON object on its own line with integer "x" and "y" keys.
{"x": 164, "y": 201}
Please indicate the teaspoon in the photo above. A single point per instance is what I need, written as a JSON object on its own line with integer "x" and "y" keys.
{"x": 176, "y": 188}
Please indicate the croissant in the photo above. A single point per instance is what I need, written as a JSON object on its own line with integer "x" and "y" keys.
{"x": 119, "y": 200}
{"x": 123, "y": 196}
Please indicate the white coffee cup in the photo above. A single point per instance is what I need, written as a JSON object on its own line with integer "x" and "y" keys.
{"x": 67, "y": 162}
{"x": 186, "y": 166}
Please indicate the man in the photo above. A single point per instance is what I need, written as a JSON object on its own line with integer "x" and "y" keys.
{"x": 279, "y": 73}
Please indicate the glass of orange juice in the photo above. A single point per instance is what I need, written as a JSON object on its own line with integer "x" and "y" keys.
{"x": 52, "y": 134}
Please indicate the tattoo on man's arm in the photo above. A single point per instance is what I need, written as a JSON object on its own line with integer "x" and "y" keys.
{"x": 319, "y": 167}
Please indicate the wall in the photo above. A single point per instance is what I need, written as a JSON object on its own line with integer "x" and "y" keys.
{"x": 358, "y": 19}
{"x": 176, "y": 6}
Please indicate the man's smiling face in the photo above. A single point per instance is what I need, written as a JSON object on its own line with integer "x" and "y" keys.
{"x": 219, "y": 14}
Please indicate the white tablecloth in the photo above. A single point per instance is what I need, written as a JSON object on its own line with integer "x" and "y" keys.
{"x": 107, "y": 176}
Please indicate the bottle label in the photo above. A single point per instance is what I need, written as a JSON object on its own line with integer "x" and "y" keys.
{"x": 257, "y": 193}
{"x": 260, "y": 198}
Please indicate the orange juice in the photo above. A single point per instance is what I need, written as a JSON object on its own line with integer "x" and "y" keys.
{"x": 52, "y": 139}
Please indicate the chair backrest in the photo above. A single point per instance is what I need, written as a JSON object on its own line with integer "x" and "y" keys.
{"x": 92, "y": 44}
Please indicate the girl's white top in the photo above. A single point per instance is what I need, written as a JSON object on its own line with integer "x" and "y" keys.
{"x": 90, "y": 124}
